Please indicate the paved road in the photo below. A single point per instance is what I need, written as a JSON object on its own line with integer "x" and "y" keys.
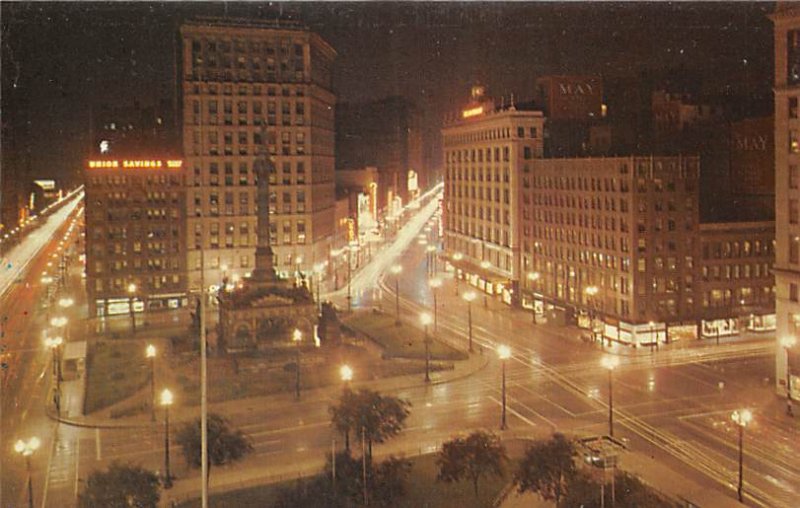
{"x": 27, "y": 382}
{"x": 669, "y": 405}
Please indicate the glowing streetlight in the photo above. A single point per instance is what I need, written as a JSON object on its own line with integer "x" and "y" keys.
{"x": 534, "y": 278}
{"x": 54, "y": 343}
{"x": 396, "y": 269}
{"x": 504, "y": 353}
{"x": 131, "y": 294}
{"x": 788, "y": 342}
{"x": 166, "y": 402}
{"x": 435, "y": 284}
{"x": 741, "y": 419}
{"x": 457, "y": 256}
{"x": 297, "y": 337}
{"x": 610, "y": 363}
{"x": 591, "y": 292}
{"x": 319, "y": 269}
{"x": 346, "y": 374}
{"x": 26, "y": 449}
{"x": 150, "y": 354}
{"x": 469, "y": 296}
{"x": 426, "y": 319}
{"x": 66, "y": 302}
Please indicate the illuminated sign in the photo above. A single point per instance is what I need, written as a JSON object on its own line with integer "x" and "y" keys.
{"x": 467, "y": 113}
{"x": 104, "y": 146}
{"x": 46, "y": 184}
{"x": 576, "y": 88}
{"x": 135, "y": 164}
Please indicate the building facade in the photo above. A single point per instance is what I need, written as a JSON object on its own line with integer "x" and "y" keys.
{"x": 485, "y": 148}
{"x": 610, "y": 238}
{"x": 135, "y": 235}
{"x": 247, "y": 84}
{"x": 786, "y": 19}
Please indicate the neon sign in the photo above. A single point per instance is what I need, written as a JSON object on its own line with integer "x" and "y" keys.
{"x": 472, "y": 112}
{"x": 135, "y": 164}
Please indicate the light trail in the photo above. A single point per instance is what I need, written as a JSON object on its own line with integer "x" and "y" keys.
{"x": 15, "y": 262}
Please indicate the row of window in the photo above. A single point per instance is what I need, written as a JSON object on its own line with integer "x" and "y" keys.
{"x": 492, "y": 154}
{"x": 246, "y": 89}
{"x": 488, "y": 135}
{"x": 119, "y": 285}
{"x": 460, "y": 192}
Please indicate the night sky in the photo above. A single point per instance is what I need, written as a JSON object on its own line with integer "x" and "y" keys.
{"x": 59, "y": 58}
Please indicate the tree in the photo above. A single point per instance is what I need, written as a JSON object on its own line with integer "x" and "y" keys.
{"x": 121, "y": 486}
{"x": 381, "y": 417}
{"x": 547, "y": 468}
{"x": 479, "y": 454}
{"x": 386, "y": 484}
{"x": 630, "y": 492}
{"x": 224, "y": 444}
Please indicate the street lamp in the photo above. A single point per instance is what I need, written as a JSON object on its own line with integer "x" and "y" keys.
{"x": 150, "y": 353}
{"x": 319, "y": 268}
{"x": 591, "y": 292}
{"x": 297, "y": 337}
{"x": 610, "y": 363}
{"x": 166, "y": 401}
{"x": 66, "y": 302}
{"x": 457, "y": 257}
{"x": 131, "y": 293}
{"x": 788, "y": 342}
{"x": 469, "y": 296}
{"x": 426, "y": 319}
{"x": 741, "y": 419}
{"x": 396, "y": 269}
{"x": 54, "y": 343}
{"x": 534, "y": 278}
{"x": 435, "y": 284}
{"x": 504, "y": 353}
{"x": 26, "y": 449}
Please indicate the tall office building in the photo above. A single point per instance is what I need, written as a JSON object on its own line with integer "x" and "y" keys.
{"x": 786, "y": 19}
{"x": 485, "y": 148}
{"x": 245, "y": 84}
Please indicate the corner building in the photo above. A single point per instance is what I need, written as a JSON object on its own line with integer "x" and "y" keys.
{"x": 245, "y": 84}
{"x": 484, "y": 151}
{"x": 786, "y": 19}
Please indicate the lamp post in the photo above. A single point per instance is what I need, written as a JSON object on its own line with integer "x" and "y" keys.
{"x": 653, "y": 337}
{"x": 346, "y": 374}
{"x": 297, "y": 337}
{"x": 457, "y": 257}
{"x": 591, "y": 292}
{"x": 54, "y": 343}
{"x": 66, "y": 302}
{"x": 318, "y": 269}
{"x": 534, "y": 278}
{"x": 426, "y": 319}
{"x": 61, "y": 322}
{"x": 224, "y": 269}
{"x": 469, "y": 296}
{"x": 166, "y": 401}
{"x": 150, "y": 354}
{"x": 435, "y": 284}
{"x": 788, "y": 342}
{"x": 504, "y": 352}
{"x": 131, "y": 293}
{"x": 610, "y": 363}
{"x": 741, "y": 419}
{"x": 485, "y": 265}
{"x": 26, "y": 449}
{"x": 396, "y": 269}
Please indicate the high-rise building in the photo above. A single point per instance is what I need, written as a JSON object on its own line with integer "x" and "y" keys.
{"x": 485, "y": 150}
{"x": 135, "y": 235}
{"x": 245, "y": 84}
{"x": 786, "y": 19}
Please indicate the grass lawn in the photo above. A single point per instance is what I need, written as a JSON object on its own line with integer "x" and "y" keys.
{"x": 116, "y": 370}
{"x": 404, "y": 341}
{"x": 422, "y": 491}
{"x": 243, "y": 377}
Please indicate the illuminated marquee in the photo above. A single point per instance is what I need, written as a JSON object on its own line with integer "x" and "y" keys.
{"x": 135, "y": 164}
{"x": 472, "y": 112}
